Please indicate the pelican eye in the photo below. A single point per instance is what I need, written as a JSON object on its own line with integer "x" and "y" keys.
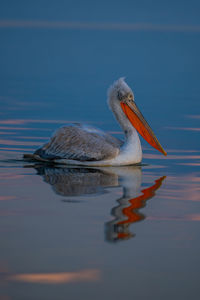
{"x": 130, "y": 97}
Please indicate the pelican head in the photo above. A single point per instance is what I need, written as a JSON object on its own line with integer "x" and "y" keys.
{"x": 121, "y": 98}
{"x": 120, "y": 91}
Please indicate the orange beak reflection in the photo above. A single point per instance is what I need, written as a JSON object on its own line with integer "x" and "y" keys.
{"x": 137, "y": 120}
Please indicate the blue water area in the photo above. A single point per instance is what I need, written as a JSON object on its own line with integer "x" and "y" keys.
{"x": 109, "y": 232}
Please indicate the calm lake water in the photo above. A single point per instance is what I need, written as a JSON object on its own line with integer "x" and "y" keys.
{"x": 104, "y": 233}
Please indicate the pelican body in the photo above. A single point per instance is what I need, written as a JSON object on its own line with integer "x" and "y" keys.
{"x": 77, "y": 144}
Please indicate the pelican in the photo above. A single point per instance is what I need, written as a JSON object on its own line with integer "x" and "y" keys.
{"x": 78, "y": 144}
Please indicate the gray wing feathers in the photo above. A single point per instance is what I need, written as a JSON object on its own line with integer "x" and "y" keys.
{"x": 79, "y": 143}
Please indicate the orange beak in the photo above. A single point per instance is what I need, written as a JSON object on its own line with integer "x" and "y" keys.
{"x": 137, "y": 120}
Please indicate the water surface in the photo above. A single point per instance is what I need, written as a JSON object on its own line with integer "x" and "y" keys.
{"x": 103, "y": 233}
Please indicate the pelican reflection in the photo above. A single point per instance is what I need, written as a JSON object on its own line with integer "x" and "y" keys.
{"x": 127, "y": 212}
{"x": 78, "y": 181}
